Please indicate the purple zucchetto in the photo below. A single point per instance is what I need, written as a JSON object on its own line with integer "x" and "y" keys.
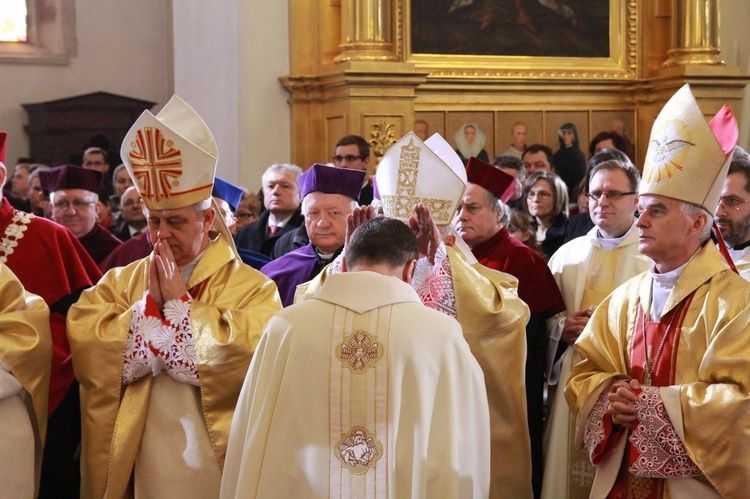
{"x": 71, "y": 177}
{"x": 331, "y": 180}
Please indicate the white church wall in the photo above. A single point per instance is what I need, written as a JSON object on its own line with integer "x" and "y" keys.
{"x": 228, "y": 56}
{"x": 123, "y": 47}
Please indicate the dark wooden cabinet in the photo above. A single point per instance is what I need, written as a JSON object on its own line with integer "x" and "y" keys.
{"x": 60, "y": 130}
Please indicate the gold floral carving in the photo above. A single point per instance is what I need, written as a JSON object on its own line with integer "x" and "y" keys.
{"x": 382, "y": 138}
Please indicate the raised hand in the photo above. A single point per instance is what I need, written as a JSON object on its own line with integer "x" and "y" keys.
{"x": 358, "y": 216}
{"x": 426, "y": 231}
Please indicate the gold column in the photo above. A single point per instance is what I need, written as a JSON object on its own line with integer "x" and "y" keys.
{"x": 366, "y": 31}
{"x": 696, "y": 34}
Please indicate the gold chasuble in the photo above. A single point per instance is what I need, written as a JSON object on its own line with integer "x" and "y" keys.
{"x": 231, "y": 303}
{"x": 493, "y": 320}
{"x": 354, "y": 394}
{"x": 26, "y": 353}
{"x": 703, "y": 378}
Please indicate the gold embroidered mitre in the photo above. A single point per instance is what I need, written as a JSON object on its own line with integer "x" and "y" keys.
{"x": 171, "y": 157}
{"x": 413, "y": 172}
{"x": 687, "y": 158}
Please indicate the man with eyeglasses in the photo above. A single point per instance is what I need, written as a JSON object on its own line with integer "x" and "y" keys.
{"x": 732, "y": 214}
{"x": 75, "y": 206}
{"x": 329, "y": 196}
{"x": 586, "y": 270}
{"x": 353, "y": 152}
{"x": 50, "y": 262}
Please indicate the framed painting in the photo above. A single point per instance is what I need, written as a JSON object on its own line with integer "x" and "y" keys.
{"x": 519, "y": 38}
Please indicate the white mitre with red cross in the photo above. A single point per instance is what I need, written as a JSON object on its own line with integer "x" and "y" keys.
{"x": 171, "y": 157}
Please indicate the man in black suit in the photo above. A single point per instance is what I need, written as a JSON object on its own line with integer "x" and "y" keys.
{"x": 131, "y": 211}
{"x": 282, "y": 201}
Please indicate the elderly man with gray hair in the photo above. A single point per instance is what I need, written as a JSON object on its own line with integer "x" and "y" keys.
{"x": 329, "y": 196}
{"x": 283, "y": 211}
{"x": 479, "y": 222}
{"x": 659, "y": 397}
{"x": 161, "y": 346}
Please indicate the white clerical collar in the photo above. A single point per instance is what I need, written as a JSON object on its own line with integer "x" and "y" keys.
{"x": 662, "y": 285}
{"x": 324, "y": 256}
{"x": 738, "y": 254}
{"x": 279, "y": 224}
{"x": 608, "y": 244}
{"x": 187, "y": 270}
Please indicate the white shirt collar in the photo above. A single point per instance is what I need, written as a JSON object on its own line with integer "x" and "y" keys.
{"x": 608, "y": 244}
{"x": 662, "y": 285}
{"x": 279, "y": 224}
{"x": 739, "y": 254}
{"x": 133, "y": 231}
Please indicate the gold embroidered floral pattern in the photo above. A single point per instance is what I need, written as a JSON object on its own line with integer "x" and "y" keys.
{"x": 14, "y": 233}
{"x": 157, "y": 165}
{"x": 358, "y": 451}
{"x": 359, "y": 352}
{"x": 401, "y": 204}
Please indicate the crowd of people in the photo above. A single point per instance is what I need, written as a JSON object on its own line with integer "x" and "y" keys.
{"x": 535, "y": 326}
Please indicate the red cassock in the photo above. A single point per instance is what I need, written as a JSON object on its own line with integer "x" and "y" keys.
{"x": 536, "y": 286}
{"x": 51, "y": 263}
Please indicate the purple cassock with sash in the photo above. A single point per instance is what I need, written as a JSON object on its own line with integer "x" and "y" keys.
{"x": 301, "y": 265}
{"x": 294, "y": 268}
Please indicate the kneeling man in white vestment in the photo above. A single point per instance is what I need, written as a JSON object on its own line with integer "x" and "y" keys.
{"x": 362, "y": 391}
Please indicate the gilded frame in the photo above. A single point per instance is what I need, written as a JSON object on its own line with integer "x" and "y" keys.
{"x": 620, "y": 65}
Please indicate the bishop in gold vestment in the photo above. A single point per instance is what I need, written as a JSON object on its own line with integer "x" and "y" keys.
{"x": 707, "y": 399}
{"x": 161, "y": 347}
{"x": 661, "y": 397}
{"x": 25, "y": 356}
{"x": 227, "y": 319}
